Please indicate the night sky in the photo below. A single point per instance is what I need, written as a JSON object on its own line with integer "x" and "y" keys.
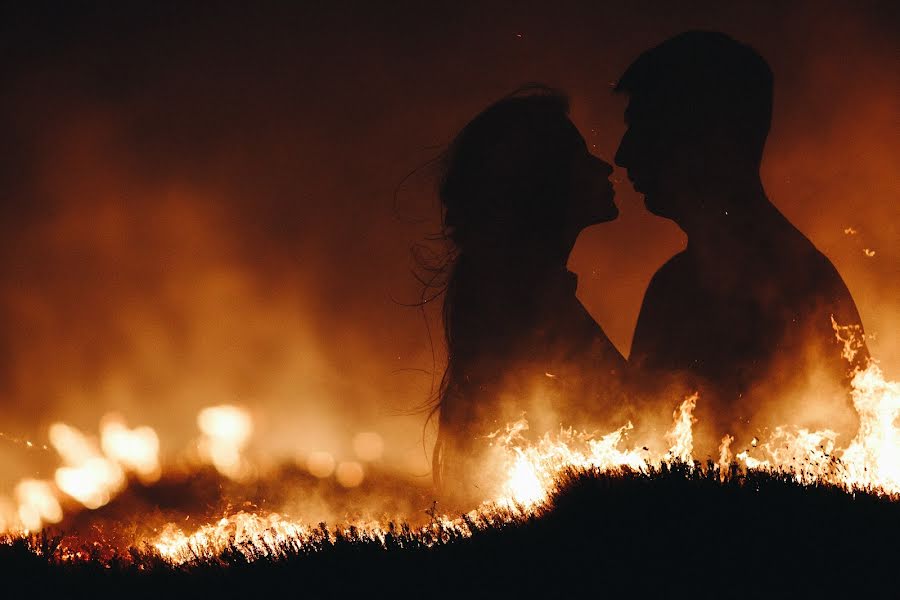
{"x": 209, "y": 203}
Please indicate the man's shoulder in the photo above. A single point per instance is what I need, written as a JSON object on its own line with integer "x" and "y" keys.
{"x": 673, "y": 270}
{"x": 812, "y": 269}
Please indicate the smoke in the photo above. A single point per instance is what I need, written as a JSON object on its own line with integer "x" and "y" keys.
{"x": 199, "y": 208}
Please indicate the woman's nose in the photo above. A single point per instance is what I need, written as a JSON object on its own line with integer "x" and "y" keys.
{"x": 621, "y": 156}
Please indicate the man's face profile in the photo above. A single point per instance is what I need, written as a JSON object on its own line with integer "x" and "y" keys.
{"x": 666, "y": 152}
{"x": 645, "y": 150}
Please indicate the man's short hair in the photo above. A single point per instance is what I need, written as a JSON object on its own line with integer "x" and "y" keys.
{"x": 704, "y": 76}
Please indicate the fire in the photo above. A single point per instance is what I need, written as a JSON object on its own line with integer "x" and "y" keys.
{"x": 682, "y": 434}
{"x": 725, "y": 455}
{"x": 533, "y": 469}
{"x": 37, "y": 504}
{"x": 871, "y": 461}
{"x": 92, "y": 473}
{"x": 532, "y": 472}
{"x": 272, "y": 535}
{"x": 254, "y": 534}
{"x": 89, "y": 477}
{"x": 136, "y": 450}
{"x": 226, "y": 430}
{"x": 873, "y": 458}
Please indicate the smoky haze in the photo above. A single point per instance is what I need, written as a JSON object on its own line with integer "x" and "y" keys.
{"x": 209, "y": 204}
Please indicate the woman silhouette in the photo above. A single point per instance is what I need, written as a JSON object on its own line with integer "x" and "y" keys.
{"x": 518, "y": 186}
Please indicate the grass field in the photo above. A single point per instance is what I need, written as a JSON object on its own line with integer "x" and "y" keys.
{"x": 672, "y": 531}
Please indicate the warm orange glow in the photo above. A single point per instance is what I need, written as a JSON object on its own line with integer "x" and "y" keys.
{"x": 532, "y": 469}
{"x": 94, "y": 473}
{"x": 226, "y": 430}
{"x": 136, "y": 449}
{"x": 88, "y": 477}
{"x": 349, "y": 474}
{"x": 264, "y": 534}
{"x": 725, "y": 457}
{"x": 209, "y": 234}
{"x": 320, "y": 464}
{"x": 37, "y": 504}
{"x": 682, "y": 434}
{"x": 368, "y": 446}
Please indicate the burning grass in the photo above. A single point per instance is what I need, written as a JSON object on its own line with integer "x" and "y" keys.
{"x": 667, "y": 528}
{"x": 570, "y": 512}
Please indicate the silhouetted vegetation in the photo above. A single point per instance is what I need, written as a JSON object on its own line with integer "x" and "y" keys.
{"x": 673, "y": 530}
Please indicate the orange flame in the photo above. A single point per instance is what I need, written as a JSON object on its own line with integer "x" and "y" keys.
{"x": 226, "y": 430}
{"x": 92, "y": 474}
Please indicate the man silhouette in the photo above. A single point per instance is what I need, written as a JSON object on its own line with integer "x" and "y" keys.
{"x": 747, "y": 306}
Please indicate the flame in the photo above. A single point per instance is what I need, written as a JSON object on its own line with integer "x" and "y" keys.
{"x": 37, "y": 504}
{"x": 534, "y": 469}
{"x": 871, "y": 461}
{"x": 255, "y": 535}
{"x": 88, "y": 477}
{"x": 531, "y": 476}
{"x": 532, "y": 473}
{"x": 682, "y": 434}
{"x": 873, "y": 458}
{"x": 725, "y": 455}
{"x": 809, "y": 455}
{"x": 92, "y": 474}
{"x": 136, "y": 450}
{"x": 226, "y": 430}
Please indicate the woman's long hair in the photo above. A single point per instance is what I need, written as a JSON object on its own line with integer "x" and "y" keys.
{"x": 503, "y": 191}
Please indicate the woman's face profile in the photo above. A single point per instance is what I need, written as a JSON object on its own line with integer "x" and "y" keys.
{"x": 591, "y": 199}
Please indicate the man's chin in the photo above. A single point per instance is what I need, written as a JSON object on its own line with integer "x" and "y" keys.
{"x": 654, "y": 206}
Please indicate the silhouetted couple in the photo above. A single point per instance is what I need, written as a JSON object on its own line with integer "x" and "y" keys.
{"x": 742, "y": 314}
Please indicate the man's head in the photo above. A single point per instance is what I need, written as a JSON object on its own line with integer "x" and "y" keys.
{"x": 699, "y": 110}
